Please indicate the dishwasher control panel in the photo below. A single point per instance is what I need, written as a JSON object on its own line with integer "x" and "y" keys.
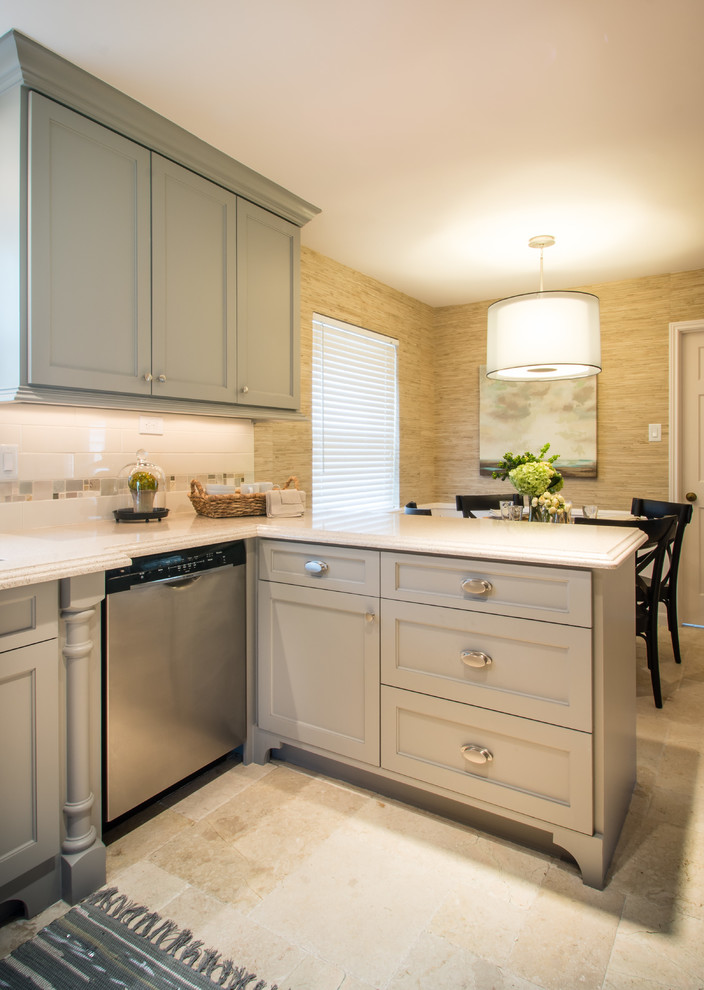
{"x": 175, "y": 564}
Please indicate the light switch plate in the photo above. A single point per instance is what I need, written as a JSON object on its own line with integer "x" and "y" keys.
{"x": 654, "y": 431}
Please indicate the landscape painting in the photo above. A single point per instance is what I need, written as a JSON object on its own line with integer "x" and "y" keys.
{"x": 520, "y": 416}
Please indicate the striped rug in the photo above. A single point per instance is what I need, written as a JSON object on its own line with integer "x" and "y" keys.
{"x": 110, "y": 943}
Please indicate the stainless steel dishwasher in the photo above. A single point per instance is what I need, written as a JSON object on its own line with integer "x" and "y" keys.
{"x": 173, "y": 670}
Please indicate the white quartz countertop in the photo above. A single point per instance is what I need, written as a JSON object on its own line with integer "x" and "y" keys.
{"x": 47, "y": 554}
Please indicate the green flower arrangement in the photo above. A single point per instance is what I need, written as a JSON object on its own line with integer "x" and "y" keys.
{"x": 530, "y": 474}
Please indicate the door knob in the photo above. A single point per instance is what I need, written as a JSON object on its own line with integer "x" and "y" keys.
{"x": 691, "y": 496}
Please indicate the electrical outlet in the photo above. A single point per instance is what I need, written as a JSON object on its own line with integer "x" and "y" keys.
{"x": 9, "y": 453}
{"x": 151, "y": 424}
{"x": 654, "y": 432}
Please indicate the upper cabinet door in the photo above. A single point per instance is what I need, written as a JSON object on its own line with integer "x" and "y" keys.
{"x": 268, "y": 309}
{"x": 194, "y": 271}
{"x": 89, "y": 300}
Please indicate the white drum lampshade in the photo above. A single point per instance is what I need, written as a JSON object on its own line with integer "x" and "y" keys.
{"x": 543, "y": 336}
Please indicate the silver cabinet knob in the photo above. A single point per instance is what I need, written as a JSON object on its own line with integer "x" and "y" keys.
{"x": 474, "y": 658}
{"x": 476, "y": 754}
{"x": 477, "y": 586}
{"x": 691, "y": 496}
{"x": 244, "y": 389}
{"x": 148, "y": 377}
{"x": 161, "y": 378}
{"x": 316, "y": 567}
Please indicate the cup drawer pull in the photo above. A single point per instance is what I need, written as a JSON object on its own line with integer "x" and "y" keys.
{"x": 477, "y": 586}
{"x": 316, "y": 567}
{"x": 476, "y": 754}
{"x": 474, "y": 658}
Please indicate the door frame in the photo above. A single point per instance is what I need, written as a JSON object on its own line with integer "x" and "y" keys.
{"x": 677, "y": 330}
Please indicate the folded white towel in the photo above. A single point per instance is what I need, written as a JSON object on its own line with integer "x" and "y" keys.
{"x": 285, "y": 502}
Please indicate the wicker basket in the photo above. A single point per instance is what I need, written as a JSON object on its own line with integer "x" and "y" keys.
{"x": 221, "y": 506}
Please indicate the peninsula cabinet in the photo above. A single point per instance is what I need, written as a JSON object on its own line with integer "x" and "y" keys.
{"x": 508, "y": 688}
{"x": 145, "y": 269}
{"x": 29, "y": 740}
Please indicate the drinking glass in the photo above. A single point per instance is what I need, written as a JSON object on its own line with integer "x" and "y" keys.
{"x": 590, "y": 511}
{"x": 505, "y": 506}
{"x": 516, "y": 512}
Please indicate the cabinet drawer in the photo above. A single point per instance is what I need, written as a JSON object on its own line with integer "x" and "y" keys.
{"x": 521, "y": 590}
{"x": 28, "y": 615}
{"x": 544, "y": 771}
{"x": 316, "y": 566}
{"x": 540, "y": 670}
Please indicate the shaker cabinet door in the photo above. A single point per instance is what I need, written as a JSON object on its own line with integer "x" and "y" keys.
{"x": 194, "y": 271}
{"x": 89, "y": 280}
{"x": 318, "y": 669}
{"x": 268, "y": 309}
{"x": 29, "y": 771}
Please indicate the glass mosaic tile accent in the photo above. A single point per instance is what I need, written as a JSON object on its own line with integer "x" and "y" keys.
{"x": 62, "y": 488}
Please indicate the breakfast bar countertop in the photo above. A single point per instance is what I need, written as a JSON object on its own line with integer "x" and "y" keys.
{"x": 47, "y": 554}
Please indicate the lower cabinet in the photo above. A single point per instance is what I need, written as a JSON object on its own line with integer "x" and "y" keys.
{"x": 507, "y": 687}
{"x": 318, "y": 674}
{"x": 29, "y": 737}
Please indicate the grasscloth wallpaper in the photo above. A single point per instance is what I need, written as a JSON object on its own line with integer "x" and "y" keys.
{"x": 440, "y": 351}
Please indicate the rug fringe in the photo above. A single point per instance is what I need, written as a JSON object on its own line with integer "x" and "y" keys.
{"x": 149, "y": 925}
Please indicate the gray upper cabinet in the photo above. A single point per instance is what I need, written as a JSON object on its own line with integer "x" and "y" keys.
{"x": 89, "y": 254}
{"x": 194, "y": 272}
{"x": 142, "y": 267}
{"x": 268, "y": 351}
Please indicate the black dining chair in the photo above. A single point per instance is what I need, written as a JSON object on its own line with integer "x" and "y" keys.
{"x": 411, "y": 509}
{"x": 655, "y": 509}
{"x": 653, "y": 556}
{"x": 467, "y": 504}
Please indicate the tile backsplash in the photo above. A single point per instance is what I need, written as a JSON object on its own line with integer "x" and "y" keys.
{"x": 70, "y": 459}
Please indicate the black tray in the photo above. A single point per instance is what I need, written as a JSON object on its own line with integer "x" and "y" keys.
{"x": 129, "y": 515}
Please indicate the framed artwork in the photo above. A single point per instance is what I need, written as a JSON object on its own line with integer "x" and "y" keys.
{"x": 520, "y": 416}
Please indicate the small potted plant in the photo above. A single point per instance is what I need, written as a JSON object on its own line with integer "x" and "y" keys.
{"x": 143, "y": 483}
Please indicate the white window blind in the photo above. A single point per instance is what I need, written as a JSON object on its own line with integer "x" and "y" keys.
{"x": 355, "y": 417}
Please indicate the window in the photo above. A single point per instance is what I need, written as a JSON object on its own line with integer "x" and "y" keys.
{"x": 355, "y": 417}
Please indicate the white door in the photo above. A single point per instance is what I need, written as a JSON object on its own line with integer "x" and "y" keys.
{"x": 688, "y": 462}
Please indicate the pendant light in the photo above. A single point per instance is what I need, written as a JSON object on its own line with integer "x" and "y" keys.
{"x": 543, "y": 336}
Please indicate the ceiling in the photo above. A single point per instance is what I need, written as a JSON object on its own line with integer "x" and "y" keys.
{"x": 436, "y": 136}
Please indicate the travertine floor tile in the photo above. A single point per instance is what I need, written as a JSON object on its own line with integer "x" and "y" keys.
{"x": 655, "y": 947}
{"x": 437, "y": 964}
{"x": 198, "y": 802}
{"x": 284, "y": 839}
{"x": 201, "y": 857}
{"x": 568, "y": 934}
{"x": 359, "y": 900}
{"x": 665, "y": 863}
{"x": 148, "y": 885}
{"x": 145, "y": 839}
{"x": 237, "y": 937}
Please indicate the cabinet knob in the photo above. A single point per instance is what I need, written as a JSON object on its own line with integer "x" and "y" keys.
{"x": 477, "y": 586}
{"x": 691, "y": 496}
{"x": 148, "y": 377}
{"x": 161, "y": 378}
{"x": 370, "y": 616}
{"x": 473, "y": 658}
{"x": 476, "y": 754}
{"x": 316, "y": 567}
{"x": 244, "y": 389}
